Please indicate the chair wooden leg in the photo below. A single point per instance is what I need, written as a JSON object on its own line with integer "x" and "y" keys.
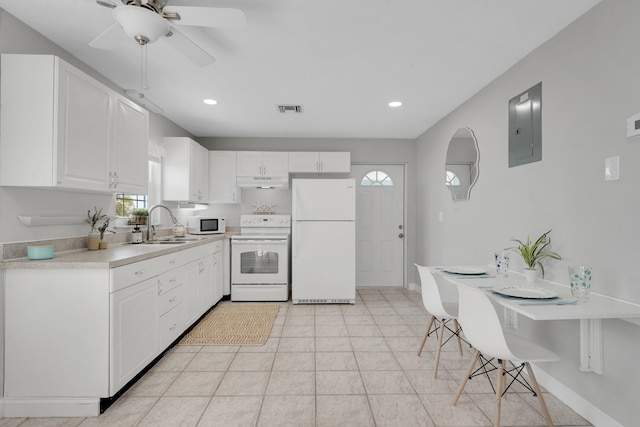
{"x": 472, "y": 366}
{"x": 499, "y": 390}
{"x": 457, "y": 326}
{"x": 426, "y": 335}
{"x": 435, "y": 369}
{"x": 536, "y": 387}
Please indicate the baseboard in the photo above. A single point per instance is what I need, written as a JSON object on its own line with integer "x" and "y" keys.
{"x": 415, "y": 287}
{"x": 50, "y": 408}
{"x": 573, "y": 400}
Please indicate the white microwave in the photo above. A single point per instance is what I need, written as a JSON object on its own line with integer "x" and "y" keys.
{"x": 206, "y": 225}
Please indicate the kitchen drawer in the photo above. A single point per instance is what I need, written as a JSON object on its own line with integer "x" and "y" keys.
{"x": 169, "y": 280}
{"x": 127, "y": 275}
{"x": 170, "y": 299}
{"x": 171, "y": 326}
{"x": 209, "y": 248}
{"x": 173, "y": 260}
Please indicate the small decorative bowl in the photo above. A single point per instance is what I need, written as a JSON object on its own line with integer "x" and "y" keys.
{"x": 40, "y": 252}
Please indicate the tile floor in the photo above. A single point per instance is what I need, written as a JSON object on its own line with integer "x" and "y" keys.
{"x": 324, "y": 365}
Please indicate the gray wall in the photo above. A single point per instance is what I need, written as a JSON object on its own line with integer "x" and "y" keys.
{"x": 589, "y": 77}
{"x": 15, "y": 37}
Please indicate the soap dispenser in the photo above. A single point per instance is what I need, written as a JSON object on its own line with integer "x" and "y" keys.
{"x": 136, "y": 235}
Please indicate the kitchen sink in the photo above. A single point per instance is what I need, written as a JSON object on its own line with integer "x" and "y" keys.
{"x": 174, "y": 240}
{"x": 166, "y": 242}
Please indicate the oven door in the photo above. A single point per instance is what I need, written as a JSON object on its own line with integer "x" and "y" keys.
{"x": 259, "y": 261}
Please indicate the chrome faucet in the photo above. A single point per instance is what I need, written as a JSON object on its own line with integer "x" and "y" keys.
{"x": 149, "y": 226}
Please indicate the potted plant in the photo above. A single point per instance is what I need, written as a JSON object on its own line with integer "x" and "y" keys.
{"x": 93, "y": 220}
{"x": 138, "y": 216}
{"x": 533, "y": 253}
{"x": 102, "y": 229}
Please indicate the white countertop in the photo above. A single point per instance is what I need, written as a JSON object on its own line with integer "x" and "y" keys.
{"x": 113, "y": 256}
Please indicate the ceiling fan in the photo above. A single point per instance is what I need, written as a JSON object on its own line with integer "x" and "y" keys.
{"x": 145, "y": 21}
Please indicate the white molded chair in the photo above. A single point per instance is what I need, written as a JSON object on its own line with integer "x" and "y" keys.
{"x": 482, "y": 328}
{"x": 441, "y": 314}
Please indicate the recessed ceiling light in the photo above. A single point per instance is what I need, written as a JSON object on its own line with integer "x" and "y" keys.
{"x": 210, "y": 101}
{"x": 395, "y": 104}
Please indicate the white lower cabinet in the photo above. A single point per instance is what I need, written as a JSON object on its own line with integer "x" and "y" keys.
{"x": 218, "y": 274}
{"x": 74, "y": 336}
{"x": 192, "y": 308}
{"x": 134, "y": 338}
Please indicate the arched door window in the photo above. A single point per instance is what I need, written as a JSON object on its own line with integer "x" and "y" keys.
{"x": 451, "y": 179}
{"x": 376, "y": 177}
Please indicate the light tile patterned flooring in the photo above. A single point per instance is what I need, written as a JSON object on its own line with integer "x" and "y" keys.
{"x": 324, "y": 365}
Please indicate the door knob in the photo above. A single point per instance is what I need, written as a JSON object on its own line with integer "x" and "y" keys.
{"x": 401, "y": 235}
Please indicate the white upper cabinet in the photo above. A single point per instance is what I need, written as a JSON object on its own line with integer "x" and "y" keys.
{"x": 185, "y": 171}
{"x": 131, "y": 175}
{"x": 320, "y": 162}
{"x": 263, "y": 163}
{"x": 61, "y": 128}
{"x": 222, "y": 177}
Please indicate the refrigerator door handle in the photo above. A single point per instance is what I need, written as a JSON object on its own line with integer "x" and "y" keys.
{"x": 295, "y": 239}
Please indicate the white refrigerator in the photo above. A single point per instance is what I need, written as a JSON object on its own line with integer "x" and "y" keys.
{"x": 323, "y": 235}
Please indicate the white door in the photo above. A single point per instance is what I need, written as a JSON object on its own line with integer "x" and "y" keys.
{"x": 380, "y": 225}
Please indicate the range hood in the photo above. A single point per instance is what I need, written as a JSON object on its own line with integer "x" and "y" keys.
{"x": 281, "y": 182}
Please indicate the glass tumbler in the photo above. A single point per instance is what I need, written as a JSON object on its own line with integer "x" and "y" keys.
{"x": 580, "y": 277}
{"x": 502, "y": 264}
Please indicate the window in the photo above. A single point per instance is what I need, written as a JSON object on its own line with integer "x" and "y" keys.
{"x": 452, "y": 179}
{"x": 126, "y": 202}
{"x": 376, "y": 178}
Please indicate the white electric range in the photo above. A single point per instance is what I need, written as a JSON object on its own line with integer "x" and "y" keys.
{"x": 260, "y": 258}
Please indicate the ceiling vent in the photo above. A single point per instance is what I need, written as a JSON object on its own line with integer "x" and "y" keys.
{"x": 290, "y": 108}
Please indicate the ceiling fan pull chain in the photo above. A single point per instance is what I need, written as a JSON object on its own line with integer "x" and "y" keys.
{"x": 144, "y": 83}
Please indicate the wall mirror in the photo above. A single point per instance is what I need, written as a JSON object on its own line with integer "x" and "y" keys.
{"x": 461, "y": 164}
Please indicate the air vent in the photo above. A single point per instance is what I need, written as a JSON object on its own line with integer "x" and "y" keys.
{"x": 290, "y": 108}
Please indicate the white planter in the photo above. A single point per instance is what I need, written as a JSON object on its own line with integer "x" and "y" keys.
{"x": 531, "y": 275}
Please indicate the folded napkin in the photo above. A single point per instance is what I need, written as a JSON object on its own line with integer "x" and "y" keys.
{"x": 550, "y": 301}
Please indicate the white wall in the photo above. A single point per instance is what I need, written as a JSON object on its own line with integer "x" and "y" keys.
{"x": 589, "y": 75}
{"x": 15, "y": 37}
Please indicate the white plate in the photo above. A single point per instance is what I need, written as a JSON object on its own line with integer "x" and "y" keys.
{"x": 531, "y": 293}
{"x": 468, "y": 271}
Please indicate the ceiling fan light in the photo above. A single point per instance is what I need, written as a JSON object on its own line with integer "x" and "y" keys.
{"x": 210, "y": 101}
{"x": 141, "y": 24}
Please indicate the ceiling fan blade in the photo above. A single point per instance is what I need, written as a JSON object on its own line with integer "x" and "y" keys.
{"x": 109, "y": 37}
{"x": 219, "y": 17}
{"x": 106, "y": 3}
{"x": 188, "y": 48}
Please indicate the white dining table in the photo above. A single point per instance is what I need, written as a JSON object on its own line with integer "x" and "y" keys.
{"x": 590, "y": 313}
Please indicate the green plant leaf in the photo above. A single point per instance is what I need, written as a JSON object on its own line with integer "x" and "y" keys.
{"x": 533, "y": 254}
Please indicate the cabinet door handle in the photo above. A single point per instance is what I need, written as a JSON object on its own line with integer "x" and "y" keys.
{"x": 173, "y": 299}
{"x": 139, "y": 272}
{"x": 173, "y": 327}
